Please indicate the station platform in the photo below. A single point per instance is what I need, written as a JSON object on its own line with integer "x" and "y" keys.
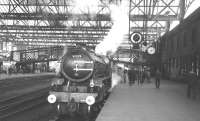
{"x": 7, "y": 76}
{"x": 147, "y": 103}
{"x": 19, "y": 84}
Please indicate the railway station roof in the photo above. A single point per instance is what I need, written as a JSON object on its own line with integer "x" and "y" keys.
{"x": 39, "y": 23}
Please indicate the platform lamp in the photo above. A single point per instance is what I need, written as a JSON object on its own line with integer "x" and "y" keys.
{"x": 151, "y": 50}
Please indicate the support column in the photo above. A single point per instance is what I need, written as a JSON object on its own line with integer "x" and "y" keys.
{"x": 167, "y": 26}
{"x": 182, "y": 10}
{"x": 47, "y": 66}
{"x": 33, "y": 71}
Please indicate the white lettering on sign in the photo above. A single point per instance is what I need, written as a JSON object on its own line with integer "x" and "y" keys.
{"x": 82, "y": 61}
{"x": 81, "y": 69}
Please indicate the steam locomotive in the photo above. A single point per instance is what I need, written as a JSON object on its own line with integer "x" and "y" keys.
{"x": 83, "y": 84}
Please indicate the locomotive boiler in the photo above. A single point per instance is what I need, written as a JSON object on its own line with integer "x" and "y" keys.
{"x": 84, "y": 81}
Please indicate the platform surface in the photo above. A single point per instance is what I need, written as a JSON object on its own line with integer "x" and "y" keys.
{"x": 10, "y": 87}
{"x": 7, "y": 76}
{"x": 146, "y": 103}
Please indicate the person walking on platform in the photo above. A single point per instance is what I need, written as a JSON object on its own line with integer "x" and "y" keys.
{"x": 125, "y": 73}
{"x": 139, "y": 77}
{"x": 193, "y": 84}
{"x": 142, "y": 77}
{"x": 157, "y": 77}
{"x": 131, "y": 76}
{"x": 148, "y": 76}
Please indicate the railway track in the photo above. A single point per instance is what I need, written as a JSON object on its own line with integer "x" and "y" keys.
{"x": 79, "y": 117}
{"x": 17, "y": 104}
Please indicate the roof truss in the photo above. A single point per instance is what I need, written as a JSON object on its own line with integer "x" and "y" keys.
{"x": 44, "y": 21}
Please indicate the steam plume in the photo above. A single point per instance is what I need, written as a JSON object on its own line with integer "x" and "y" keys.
{"x": 119, "y": 16}
{"x": 115, "y": 79}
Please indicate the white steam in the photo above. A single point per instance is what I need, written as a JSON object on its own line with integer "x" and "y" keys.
{"x": 55, "y": 65}
{"x": 120, "y": 18}
{"x": 116, "y": 78}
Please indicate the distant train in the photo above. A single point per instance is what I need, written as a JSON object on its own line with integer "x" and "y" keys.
{"x": 83, "y": 84}
{"x": 180, "y": 52}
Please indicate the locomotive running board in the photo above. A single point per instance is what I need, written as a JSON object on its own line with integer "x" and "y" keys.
{"x": 68, "y": 96}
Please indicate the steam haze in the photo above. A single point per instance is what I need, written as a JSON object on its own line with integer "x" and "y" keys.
{"x": 120, "y": 18}
{"x": 115, "y": 79}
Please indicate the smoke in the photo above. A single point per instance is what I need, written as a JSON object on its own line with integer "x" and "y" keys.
{"x": 120, "y": 18}
{"x": 55, "y": 65}
{"x": 65, "y": 50}
{"x": 115, "y": 79}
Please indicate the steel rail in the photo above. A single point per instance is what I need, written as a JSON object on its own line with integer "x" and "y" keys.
{"x": 21, "y": 103}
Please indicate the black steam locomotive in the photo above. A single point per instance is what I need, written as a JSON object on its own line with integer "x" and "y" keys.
{"x": 83, "y": 84}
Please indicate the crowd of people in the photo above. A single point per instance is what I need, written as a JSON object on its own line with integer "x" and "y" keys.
{"x": 23, "y": 68}
{"x": 139, "y": 76}
{"x": 193, "y": 84}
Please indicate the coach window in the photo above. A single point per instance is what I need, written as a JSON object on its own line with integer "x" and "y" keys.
{"x": 167, "y": 43}
{"x": 177, "y": 40}
{"x": 177, "y": 62}
{"x": 172, "y": 44}
{"x": 184, "y": 39}
{"x": 181, "y": 62}
{"x": 164, "y": 43}
{"x": 175, "y": 43}
{"x": 173, "y": 62}
{"x": 170, "y": 64}
{"x": 194, "y": 35}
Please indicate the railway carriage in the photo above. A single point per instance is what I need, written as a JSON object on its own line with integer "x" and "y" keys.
{"x": 180, "y": 52}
